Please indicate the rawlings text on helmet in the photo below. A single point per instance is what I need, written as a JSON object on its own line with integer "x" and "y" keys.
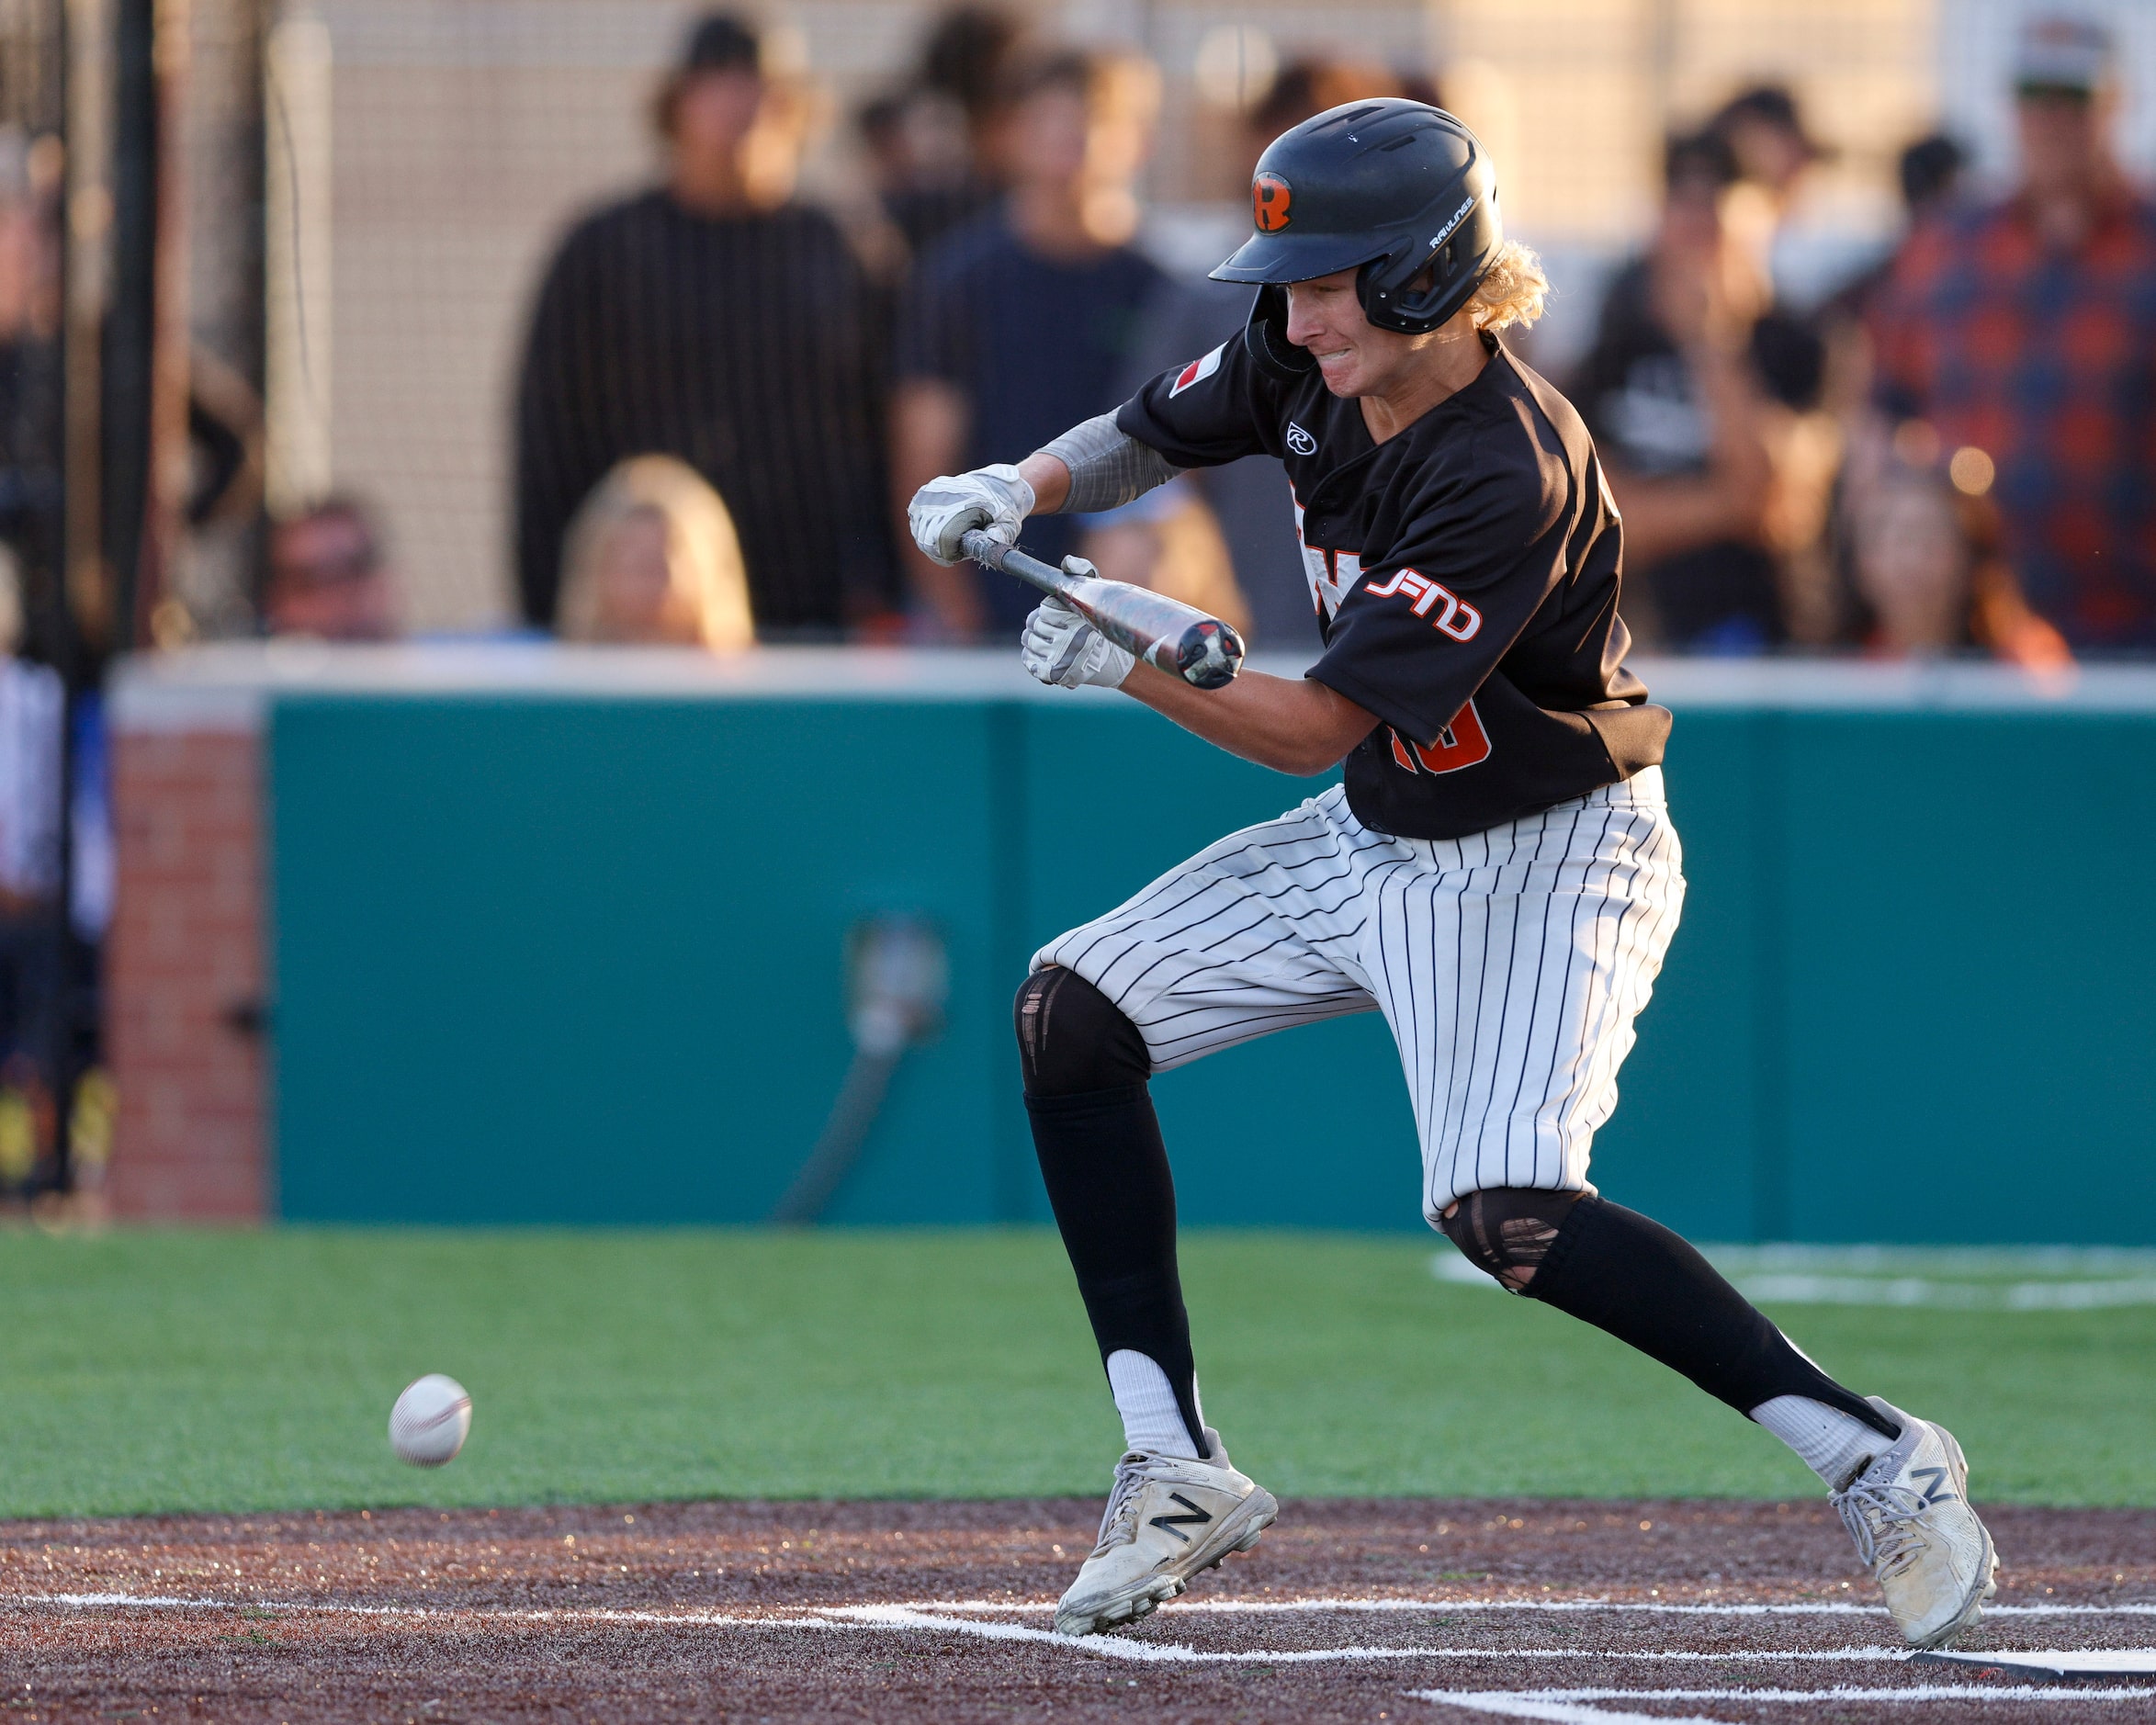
{"x": 1270, "y": 198}
{"x": 1459, "y": 216}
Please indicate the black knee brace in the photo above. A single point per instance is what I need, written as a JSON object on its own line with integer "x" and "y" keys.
{"x": 1072, "y": 1038}
{"x": 1507, "y": 1233}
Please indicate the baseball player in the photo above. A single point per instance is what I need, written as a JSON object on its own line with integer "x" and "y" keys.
{"x": 1497, "y": 874}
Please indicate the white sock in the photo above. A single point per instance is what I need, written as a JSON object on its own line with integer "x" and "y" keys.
{"x": 1833, "y": 1444}
{"x": 1151, "y": 1420}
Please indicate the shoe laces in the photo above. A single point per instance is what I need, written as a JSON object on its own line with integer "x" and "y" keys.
{"x": 1119, "y": 1522}
{"x": 1883, "y": 1520}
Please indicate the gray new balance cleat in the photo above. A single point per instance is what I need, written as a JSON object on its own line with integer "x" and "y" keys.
{"x": 1909, "y": 1514}
{"x": 1168, "y": 1519}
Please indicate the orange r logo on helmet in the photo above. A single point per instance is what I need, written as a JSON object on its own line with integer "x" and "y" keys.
{"x": 1269, "y": 197}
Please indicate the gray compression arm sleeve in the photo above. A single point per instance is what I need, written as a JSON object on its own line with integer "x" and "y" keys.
{"x": 1108, "y": 468}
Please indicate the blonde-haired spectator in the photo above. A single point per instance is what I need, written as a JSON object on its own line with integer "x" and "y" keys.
{"x": 717, "y": 318}
{"x": 651, "y": 559}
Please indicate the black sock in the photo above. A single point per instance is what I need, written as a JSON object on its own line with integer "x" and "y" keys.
{"x": 1106, "y": 1170}
{"x": 1106, "y": 1175}
{"x": 1621, "y": 1272}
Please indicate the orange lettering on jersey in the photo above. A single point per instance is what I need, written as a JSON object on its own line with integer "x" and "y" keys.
{"x": 1462, "y": 743}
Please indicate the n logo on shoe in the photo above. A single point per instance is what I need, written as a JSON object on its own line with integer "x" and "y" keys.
{"x": 1934, "y": 1478}
{"x": 1176, "y": 1524}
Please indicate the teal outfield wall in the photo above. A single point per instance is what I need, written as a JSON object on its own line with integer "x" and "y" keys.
{"x": 578, "y": 956}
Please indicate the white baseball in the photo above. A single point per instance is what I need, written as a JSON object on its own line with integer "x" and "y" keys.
{"x": 431, "y": 1421}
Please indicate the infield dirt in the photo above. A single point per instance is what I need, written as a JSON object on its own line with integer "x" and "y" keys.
{"x": 938, "y": 1611}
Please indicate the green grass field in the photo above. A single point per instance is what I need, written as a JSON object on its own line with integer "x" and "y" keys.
{"x": 147, "y": 1371}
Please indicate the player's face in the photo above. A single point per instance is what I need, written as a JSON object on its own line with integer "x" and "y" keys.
{"x": 1354, "y": 357}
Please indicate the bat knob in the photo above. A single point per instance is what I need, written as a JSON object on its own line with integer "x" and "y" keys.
{"x": 1209, "y": 655}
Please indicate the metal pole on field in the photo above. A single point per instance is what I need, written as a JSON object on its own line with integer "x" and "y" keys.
{"x": 295, "y": 259}
{"x": 160, "y": 616}
{"x": 87, "y": 272}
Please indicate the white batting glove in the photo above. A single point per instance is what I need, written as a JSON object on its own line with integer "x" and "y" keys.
{"x": 1062, "y": 650}
{"x": 993, "y": 499}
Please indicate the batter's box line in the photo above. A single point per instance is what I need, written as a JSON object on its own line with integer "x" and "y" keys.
{"x": 905, "y": 1617}
{"x": 1576, "y": 1706}
{"x": 1825, "y": 1608}
{"x": 1176, "y": 1653}
{"x": 1833, "y": 1608}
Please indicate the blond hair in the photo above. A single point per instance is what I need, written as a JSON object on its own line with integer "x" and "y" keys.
{"x": 703, "y": 552}
{"x": 1512, "y": 291}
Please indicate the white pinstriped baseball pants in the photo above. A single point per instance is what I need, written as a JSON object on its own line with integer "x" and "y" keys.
{"x": 1509, "y": 964}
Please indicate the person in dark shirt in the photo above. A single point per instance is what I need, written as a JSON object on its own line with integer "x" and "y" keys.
{"x": 1021, "y": 322}
{"x": 1497, "y": 874}
{"x": 717, "y": 321}
{"x": 1689, "y": 350}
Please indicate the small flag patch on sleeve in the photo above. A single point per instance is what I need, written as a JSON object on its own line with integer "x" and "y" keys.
{"x": 1197, "y": 371}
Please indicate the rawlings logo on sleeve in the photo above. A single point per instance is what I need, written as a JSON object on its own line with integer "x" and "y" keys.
{"x": 1197, "y": 371}
{"x": 1458, "y": 619}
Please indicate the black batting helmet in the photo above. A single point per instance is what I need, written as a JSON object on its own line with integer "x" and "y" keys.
{"x": 1398, "y": 188}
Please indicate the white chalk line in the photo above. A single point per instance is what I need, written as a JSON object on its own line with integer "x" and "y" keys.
{"x": 899, "y": 1617}
{"x": 1223, "y": 1608}
{"x": 1836, "y": 1609}
{"x": 1575, "y": 1706}
{"x": 1169, "y": 1652}
{"x": 938, "y": 1616}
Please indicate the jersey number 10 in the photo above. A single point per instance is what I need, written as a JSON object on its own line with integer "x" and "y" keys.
{"x": 1461, "y": 743}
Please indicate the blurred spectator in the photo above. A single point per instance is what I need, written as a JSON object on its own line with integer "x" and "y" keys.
{"x": 31, "y": 383}
{"x": 1768, "y": 139}
{"x": 652, "y": 560}
{"x": 1680, "y": 389}
{"x": 931, "y": 145}
{"x": 1020, "y": 324}
{"x": 716, "y": 319}
{"x": 2024, "y": 332}
{"x": 328, "y": 577}
{"x": 920, "y": 164}
{"x": 33, "y": 713}
{"x": 1916, "y": 534}
{"x": 1775, "y": 152}
{"x": 1929, "y": 173}
{"x": 1922, "y": 550}
{"x": 1252, "y": 509}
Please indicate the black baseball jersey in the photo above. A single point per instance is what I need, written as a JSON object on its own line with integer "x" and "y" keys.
{"x": 1465, "y": 574}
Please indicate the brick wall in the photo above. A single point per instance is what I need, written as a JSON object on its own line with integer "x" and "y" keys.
{"x": 184, "y": 975}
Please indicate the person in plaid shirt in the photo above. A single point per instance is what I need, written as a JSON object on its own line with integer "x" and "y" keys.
{"x": 2025, "y": 332}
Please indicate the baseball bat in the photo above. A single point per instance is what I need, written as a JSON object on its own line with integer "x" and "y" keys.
{"x": 1166, "y": 633}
